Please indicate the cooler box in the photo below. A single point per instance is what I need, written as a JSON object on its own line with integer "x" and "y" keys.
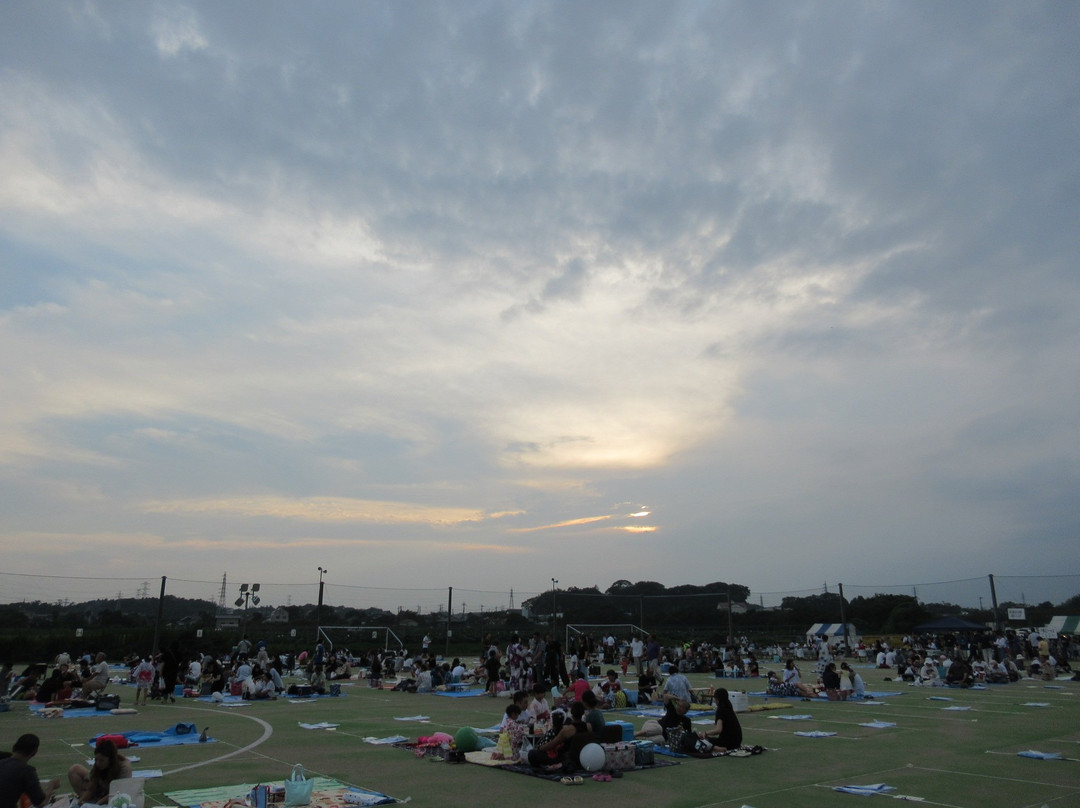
{"x": 627, "y": 729}
{"x": 643, "y": 753}
{"x": 618, "y": 757}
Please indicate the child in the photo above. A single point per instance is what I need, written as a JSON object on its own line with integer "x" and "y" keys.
{"x": 539, "y": 711}
{"x": 610, "y": 688}
{"x": 144, "y": 677}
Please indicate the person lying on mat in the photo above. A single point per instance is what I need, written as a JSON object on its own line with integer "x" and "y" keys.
{"x": 777, "y": 687}
{"x": 553, "y": 747}
{"x": 727, "y": 731}
{"x": 92, "y": 785}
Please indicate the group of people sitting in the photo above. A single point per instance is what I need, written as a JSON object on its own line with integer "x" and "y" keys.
{"x": 84, "y": 680}
{"x": 553, "y": 738}
{"x": 835, "y": 684}
{"x": 89, "y": 785}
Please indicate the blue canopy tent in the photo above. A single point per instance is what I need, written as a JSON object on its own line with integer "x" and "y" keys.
{"x": 833, "y": 633}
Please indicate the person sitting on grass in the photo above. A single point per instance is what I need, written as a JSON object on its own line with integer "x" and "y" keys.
{"x": 610, "y": 687}
{"x": 92, "y": 785}
{"x": 265, "y": 687}
{"x": 575, "y": 691}
{"x": 594, "y": 716}
{"x": 830, "y": 682}
{"x": 551, "y": 751}
{"x": 646, "y": 686}
{"x": 19, "y": 780}
{"x": 677, "y": 691}
{"x": 539, "y": 711}
{"x": 852, "y": 682}
{"x": 98, "y": 679}
{"x": 727, "y": 731}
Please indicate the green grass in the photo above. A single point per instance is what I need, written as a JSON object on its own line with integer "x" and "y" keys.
{"x": 963, "y": 759}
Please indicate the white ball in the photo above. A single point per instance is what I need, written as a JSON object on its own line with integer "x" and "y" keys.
{"x": 592, "y": 757}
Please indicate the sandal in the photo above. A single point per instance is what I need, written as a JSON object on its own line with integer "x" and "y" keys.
{"x": 576, "y": 780}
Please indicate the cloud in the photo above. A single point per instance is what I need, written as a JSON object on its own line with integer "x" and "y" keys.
{"x": 462, "y": 274}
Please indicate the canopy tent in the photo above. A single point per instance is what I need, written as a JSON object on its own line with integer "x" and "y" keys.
{"x": 832, "y": 633}
{"x": 1064, "y": 624}
{"x": 939, "y": 624}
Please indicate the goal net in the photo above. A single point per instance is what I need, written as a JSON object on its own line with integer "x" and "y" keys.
{"x": 588, "y": 638}
{"x": 356, "y": 638}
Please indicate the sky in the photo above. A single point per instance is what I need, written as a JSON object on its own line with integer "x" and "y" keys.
{"x": 496, "y": 295}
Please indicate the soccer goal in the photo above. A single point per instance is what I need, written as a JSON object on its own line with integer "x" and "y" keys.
{"x": 622, "y": 632}
{"x": 357, "y": 635}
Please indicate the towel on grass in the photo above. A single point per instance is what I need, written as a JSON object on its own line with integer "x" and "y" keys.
{"x": 956, "y": 709}
{"x": 800, "y": 717}
{"x": 816, "y": 734}
{"x": 878, "y": 724}
{"x": 1031, "y": 753}
{"x": 1035, "y": 704}
{"x": 386, "y": 741}
{"x": 320, "y": 725}
{"x": 866, "y": 791}
{"x": 413, "y": 718}
{"x": 180, "y": 734}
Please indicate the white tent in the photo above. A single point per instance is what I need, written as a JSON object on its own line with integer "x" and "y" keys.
{"x": 833, "y": 633}
{"x": 1061, "y": 624}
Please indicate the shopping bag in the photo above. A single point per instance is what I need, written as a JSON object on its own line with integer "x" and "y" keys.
{"x": 297, "y": 787}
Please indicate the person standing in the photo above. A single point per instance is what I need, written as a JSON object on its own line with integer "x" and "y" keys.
{"x": 652, "y": 655}
{"x": 637, "y": 650}
{"x": 18, "y": 777}
{"x": 170, "y": 669}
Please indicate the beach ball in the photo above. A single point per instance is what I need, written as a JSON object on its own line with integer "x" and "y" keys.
{"x": 467, "y": 740}
{"x": 592, "y": 757}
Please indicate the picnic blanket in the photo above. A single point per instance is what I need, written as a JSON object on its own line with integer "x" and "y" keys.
{"x": 176, "y": 735}
{"x": 326, "y": 793}
{"x": 866, "y": 791}
{"x": 44, "y": 711}
{"x": 482, "y": 757}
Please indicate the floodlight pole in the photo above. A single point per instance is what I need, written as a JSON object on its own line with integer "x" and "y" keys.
{"x": 157, "y": 623}
{"x": 318, "y": 609}
{"x": 554, "y": 583}
{"x": 730, "y": 621}
{"x": 843, "y": 624}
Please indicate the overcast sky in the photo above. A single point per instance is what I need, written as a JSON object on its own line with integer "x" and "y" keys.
{"x": 485, "y": 294}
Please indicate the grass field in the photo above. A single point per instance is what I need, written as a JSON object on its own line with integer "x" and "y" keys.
{"x": 961, "y": 758}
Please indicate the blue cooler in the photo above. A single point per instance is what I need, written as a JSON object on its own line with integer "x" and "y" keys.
{"x": 627, "y": 729}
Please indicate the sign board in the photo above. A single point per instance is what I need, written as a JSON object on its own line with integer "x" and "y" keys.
{"x": 198, "y": 633}
{"x": 78, "y": 632}
{"x": 1017, "y": 614}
